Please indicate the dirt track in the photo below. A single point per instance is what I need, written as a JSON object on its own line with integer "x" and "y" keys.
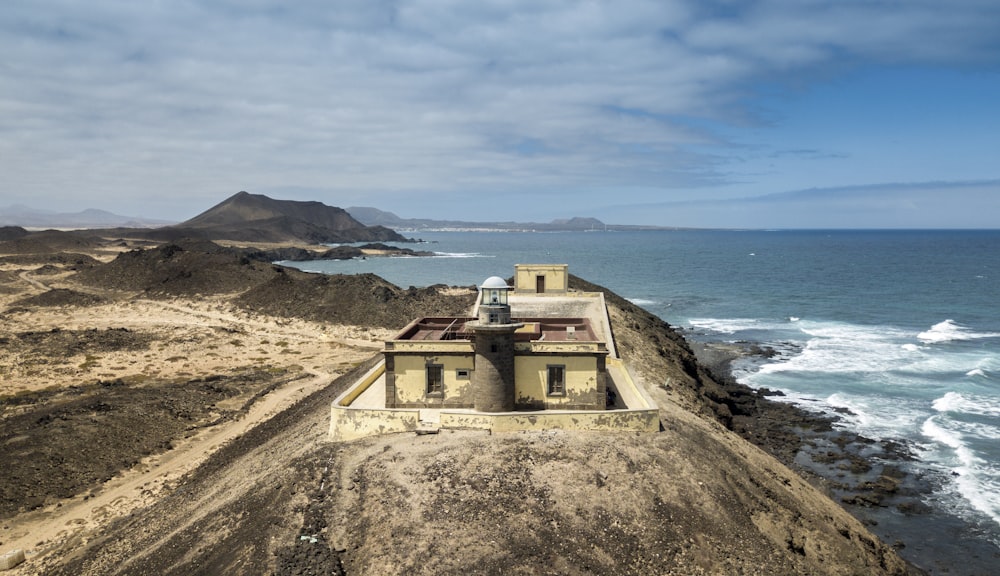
{"x": 109, "y": 399}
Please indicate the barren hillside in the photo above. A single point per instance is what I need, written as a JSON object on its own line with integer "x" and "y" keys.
{"x": 265, "y": 492}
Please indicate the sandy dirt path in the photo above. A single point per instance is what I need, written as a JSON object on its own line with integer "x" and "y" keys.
{"x": 42, "y": 531}
{"x": 190, "y": 339}
{"x": 34, "y": 283}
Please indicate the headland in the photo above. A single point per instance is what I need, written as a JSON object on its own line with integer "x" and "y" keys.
{"x": 166, "y": 409}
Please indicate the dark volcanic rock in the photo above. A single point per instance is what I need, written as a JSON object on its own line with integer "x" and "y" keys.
{"x": 66, "y": 260}
{"x": 90, "y": 433}
{"x": 363, "y": 299}
{"x": 183, "y": 268}
{"x": 12, "y": 233}
{"x": 256, "y": 218}
{"x": 192, "y": 267}
{"x": 48, "y": 241}
{"x": 60, "y": 297}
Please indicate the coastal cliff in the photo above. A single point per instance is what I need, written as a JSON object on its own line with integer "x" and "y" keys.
{"x": 277, "y": 497}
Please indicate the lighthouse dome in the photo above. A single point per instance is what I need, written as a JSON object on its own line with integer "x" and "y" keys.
{"x": 494, "y": 282}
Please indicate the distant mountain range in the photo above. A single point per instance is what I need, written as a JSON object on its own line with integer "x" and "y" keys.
{"x": 376, "y": 217}
{"x": 243, "y": 217}
{"x": 19, "y": 215}
{"x": 246, "y": 217}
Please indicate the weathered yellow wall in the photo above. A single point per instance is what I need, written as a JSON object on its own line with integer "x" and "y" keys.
{"x": 348, "y": 424}
{"x": 411, "y": 378}
{"x": 557, "y": 347}
{"x": 531, "y": 379}
{"x": 631, "y": 394}
{"x": 556, "y": 277}
{"x": 618, "y": 420}
{"x": 351, "y": 423}
{"x": 432, "y": 346}
{"x": 347, "y": 398}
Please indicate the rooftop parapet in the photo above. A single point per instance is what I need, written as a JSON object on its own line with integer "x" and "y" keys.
{"x": 443, "y": 329}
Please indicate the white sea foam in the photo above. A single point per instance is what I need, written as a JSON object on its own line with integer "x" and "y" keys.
{"x": 952, "y": 439}
{"x": 985, "y": 368}
{"x": 949, "y": 331}
{"x": 950, "y": 402}
{"x": 844, "y": 348}
{"x": 882, "y": 382}
{"x": 977, "y": 480}
{"x": 948, "y": 363}
{"x": 838, "y": 348}
{"x": 877, "y": 417}
{"x": 962, "y": 403}
{"x": 987, "y": 431}
{"x": 461, "y": 255}
{"x": 860, "y": 414}
{"x": 793, "y": 318}
{"x": 733, "y": 325}
{"x": 642, "y": 301}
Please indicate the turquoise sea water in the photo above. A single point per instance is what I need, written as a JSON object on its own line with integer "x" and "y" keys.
{"x": 902, "y": 328}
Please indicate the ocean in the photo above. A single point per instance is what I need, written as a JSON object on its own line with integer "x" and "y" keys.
{"x": 897, "y": 333}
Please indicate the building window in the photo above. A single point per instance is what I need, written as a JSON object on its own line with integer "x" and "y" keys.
{"x": 435, "y": 380}
{"x": 556, "y": 380}
{"x": 462, "y": 374}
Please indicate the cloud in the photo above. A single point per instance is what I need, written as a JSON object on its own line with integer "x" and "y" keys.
{"x": 132, "y": 101}
{"x": 973, "y": 204}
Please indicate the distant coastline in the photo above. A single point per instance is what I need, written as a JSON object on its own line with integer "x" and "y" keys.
{"x": 375, "y": 217}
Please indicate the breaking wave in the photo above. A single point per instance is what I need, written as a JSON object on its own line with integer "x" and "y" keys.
{"x": 461, "y": 255}
{"x": 949, "y": 331}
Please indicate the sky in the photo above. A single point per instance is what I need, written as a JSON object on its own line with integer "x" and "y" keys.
{"x": 700, "y": 113}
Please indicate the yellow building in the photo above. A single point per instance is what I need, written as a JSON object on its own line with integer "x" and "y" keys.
{"x": 554, "y": 367}
{"x": 541, "y": 278}
{"x": 495, "y": 363}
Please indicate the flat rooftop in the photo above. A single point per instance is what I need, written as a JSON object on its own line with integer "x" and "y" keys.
{"x": 534, "y": 329}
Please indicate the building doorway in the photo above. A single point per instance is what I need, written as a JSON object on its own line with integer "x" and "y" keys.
{"x": 539, "y": 284}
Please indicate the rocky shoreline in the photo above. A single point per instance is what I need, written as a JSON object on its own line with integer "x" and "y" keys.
{"x": 875, "y": 480}
{"x": 343, "y": 252}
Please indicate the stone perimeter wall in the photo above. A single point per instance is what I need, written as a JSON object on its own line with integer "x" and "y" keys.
{"x": 347, "y": 423}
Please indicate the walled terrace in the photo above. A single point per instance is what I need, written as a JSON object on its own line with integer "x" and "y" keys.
{"x": 551, "y": 324}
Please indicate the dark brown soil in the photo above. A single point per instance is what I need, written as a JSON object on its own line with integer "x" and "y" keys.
{"x": 65, "y": 260}
{"x": 59, "y": 297}
{"x": 67, "y": 343}
{"x": 253, "y": 527}
{"x": 61, "y": 443}
{"x": 50, "y": 241}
